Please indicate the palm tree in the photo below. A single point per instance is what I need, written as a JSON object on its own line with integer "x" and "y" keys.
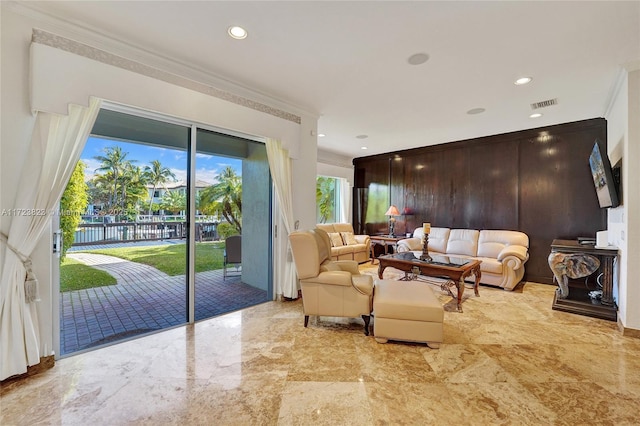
{"x": 100, "y": 189}
{"x": 157, "y": 175}
{"x": 325, "y": 197}
{"x": 174, "y": 201}
{"x": 114, "y": 161}
{"x": 134, "y": 188}
{"x": 225, "y": 197}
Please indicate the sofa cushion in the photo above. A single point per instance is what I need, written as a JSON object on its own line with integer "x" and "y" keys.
{"x": 326, "y": 227}
{"x": 338, "y": 251}
{"x": 492, "y": 242}
{"x": 463, "y": 241}
{"x": 336, "y": 239}
{"x": 343, "y": 227}
{"x": 358, "y": 247}
{"x": 348, "y": 238}
{"x": 437, "y": 240}
{"x": 490, "y": 265}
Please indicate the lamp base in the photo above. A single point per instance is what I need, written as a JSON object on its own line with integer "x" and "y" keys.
{"x": 425, "y": 249}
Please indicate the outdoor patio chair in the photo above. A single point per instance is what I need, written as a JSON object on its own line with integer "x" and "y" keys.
{"x": 232, "y": 256}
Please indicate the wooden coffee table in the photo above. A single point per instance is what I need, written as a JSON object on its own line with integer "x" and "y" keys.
{"x": 453, "y": 269}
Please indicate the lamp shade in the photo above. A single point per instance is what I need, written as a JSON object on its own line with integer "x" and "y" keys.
{"x": 393, "y": 211}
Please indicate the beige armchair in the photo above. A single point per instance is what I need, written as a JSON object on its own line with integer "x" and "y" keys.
{"x": 329, "y": 288}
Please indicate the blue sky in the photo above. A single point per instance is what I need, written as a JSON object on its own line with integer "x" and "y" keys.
{"x": 207, "y": 166}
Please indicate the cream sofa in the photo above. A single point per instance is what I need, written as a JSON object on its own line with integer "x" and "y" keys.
{"x": 503, "y": 253}
{"x": 344, "y": 244}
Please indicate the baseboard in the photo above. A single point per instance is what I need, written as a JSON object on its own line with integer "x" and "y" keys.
{"x": 46, "y": 362}
{"x": 628, "y": 332}
{"x": 538, "y": 279}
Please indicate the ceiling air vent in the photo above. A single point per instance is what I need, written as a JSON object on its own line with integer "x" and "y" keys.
{"x": 544, "y": 104}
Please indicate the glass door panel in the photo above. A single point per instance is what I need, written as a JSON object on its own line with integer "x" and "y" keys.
{"x": 124, "y": 270}
{"x": 233, "y": 222}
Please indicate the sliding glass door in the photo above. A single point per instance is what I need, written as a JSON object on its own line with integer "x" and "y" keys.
{"x": 175, "y": 225}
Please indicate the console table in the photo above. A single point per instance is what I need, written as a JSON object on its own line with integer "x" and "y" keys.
{"x": 578, "y": 301}
{"x": 384, "y": 240}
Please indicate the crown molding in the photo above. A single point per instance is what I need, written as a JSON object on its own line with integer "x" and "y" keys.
{"x": 615, "y": 91}
{"x": 80, "y": 33}
{"x": 632, "y": 66}
{"x": 334, "y": 159}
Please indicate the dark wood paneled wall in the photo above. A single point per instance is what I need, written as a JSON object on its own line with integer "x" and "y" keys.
{"x": 536, "y": 181}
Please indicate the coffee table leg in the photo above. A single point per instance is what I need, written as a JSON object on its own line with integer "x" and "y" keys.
{"x": 459, "y": 285}
{"x": 460, "y": 292}
{"x": 477, "y": 282}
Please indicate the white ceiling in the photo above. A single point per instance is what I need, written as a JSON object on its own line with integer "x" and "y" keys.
{"x": 347, "y": 61}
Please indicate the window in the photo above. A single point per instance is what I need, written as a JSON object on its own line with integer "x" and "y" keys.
{"x": 327, "y": 199}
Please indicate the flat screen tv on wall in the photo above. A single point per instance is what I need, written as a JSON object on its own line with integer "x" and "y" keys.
{"x": 606, "y": 187}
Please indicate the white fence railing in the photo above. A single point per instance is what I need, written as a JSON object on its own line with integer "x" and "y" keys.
{"x": 148, "y": 218}
{"x": 119, "y": 232}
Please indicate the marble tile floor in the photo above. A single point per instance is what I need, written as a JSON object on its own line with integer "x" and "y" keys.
{"x": 507, "y": 360}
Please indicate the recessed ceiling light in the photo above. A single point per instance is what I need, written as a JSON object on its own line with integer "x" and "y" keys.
{"x": 476, "y": 111}
{"x": 237, "y": 32}
{"x": 321, "y": 135}
{"x": 363, "y": 147}
{"x": 418, "y": 58}
{"x": 522, "y": 80}
{"x": 535, "y": 115}
{"x": 362, "y": 136}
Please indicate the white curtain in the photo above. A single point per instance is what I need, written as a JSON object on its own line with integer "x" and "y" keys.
{"x": 280, "y": 166}
{"x": 56, "y": 145}
{"x": 345, "y": 198}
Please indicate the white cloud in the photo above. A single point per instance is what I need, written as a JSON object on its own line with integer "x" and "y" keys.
{"x": 180, "y": 174}
{"x": 204, "y": 156}
{"x": 90, "y": 169}
{"x": 207, "y": 175}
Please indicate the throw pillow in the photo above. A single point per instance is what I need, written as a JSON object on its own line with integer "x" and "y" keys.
{"x": 336, "y": 239}
{"x": 348, "y": 238}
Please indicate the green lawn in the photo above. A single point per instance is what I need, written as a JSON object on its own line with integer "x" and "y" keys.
{"x": 171, "y": 258}
{"x": 75, "y": 275}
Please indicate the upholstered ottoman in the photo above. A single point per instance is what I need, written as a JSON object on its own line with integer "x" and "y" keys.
{"x": 407, "y": 310}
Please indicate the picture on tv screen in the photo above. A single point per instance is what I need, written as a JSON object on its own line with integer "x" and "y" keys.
{"x": 603, "y": 177}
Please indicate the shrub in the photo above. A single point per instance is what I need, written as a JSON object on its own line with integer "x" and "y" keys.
{"x": 72, "y": 204}
{"x": 225, "y": 229}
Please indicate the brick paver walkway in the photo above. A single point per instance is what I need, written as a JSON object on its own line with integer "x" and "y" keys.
{"x": 144, "y": 299}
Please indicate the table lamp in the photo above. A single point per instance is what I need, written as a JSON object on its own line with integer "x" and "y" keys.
{"x": 393, "y": 211}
